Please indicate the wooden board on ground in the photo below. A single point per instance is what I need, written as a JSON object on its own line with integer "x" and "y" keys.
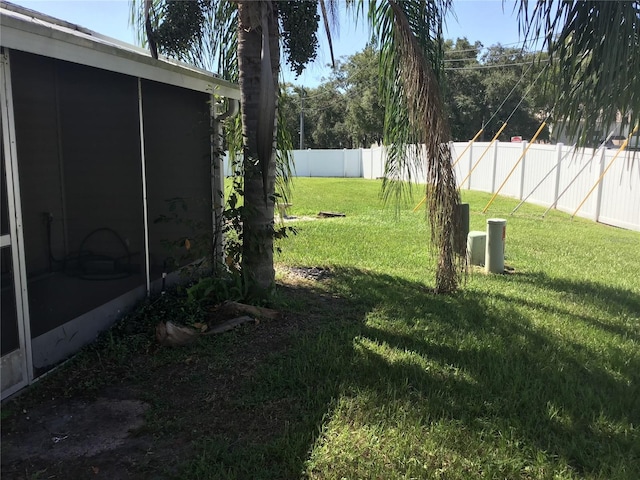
{"x": 331, "y": 214}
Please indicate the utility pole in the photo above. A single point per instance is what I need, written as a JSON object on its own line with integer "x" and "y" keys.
{"x": 302, "y": 119}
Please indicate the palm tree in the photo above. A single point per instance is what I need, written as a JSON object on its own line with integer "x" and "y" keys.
{"x": 410, "y": 40}
{"x": 244, "y": 37}
{"x": 596, "y": 44}
{"x": 594, "y": 47}
{"x": 259, "y": 67}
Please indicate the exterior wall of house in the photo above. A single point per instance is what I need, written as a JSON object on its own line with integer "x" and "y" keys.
{"x": 102, "y": 173}
{"x": 34, "y": 92}
{"x": 79, "y": 164}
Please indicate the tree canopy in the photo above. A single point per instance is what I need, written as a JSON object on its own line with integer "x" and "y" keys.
{"x": 346, "y": 110}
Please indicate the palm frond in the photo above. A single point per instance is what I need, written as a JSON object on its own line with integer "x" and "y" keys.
{"x": 139, "y": 12}
{"x": 416, "y": 127}
{"x": 284, "y": 156}
{"x": 222, "y": 39}
{"x": 595, "y": 48}
{"x": 148, "y": 27}
{"x": 329, "y": 17}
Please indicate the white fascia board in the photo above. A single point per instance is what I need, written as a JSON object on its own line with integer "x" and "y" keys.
{"x": 65, "y": 44}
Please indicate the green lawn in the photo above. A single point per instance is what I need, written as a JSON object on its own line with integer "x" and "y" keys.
{"x": 534, "y": 374}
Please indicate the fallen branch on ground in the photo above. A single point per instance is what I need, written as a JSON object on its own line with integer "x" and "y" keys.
{"x": 170, "y": 334}
{"x": 230, "y": 325}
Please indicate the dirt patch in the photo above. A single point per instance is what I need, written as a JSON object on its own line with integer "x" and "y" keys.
{"x": 63, "y": 430}
{"x": 309, "y": 273}
{"x": 74, "y": 438}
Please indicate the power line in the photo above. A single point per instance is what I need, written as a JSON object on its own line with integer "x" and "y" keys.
{"x": 500, "y": 55}
{"x": 482, "y": 67}
{"x": 475, "y": 67}
{"x": 523, "y": 42}
{"x": 527, "y": 93}
{"x": 493, "y": 57}
{"x": 507, "y": 97}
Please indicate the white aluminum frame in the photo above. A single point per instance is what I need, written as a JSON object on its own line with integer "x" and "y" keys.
{"x": 16, "y": 234}
{"x": 145, "y": 208}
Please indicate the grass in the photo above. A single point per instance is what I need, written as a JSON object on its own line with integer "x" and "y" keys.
{"x": 534, "y": 374}
{"x": 528, "y": 375}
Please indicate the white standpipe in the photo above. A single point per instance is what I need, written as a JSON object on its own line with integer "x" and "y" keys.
{"x": 494, "y": 255}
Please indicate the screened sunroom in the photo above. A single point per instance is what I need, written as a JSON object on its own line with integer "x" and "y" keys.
{"x": 99, "y": 142}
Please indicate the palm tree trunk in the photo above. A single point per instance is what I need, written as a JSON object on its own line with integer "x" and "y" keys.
{"x": 259, "y": 189}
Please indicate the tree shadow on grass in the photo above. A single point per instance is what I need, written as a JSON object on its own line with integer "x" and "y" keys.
{"x": 260, "y": 400}
{"x": 617, "y": 302}
{"x": 489, "y": 368}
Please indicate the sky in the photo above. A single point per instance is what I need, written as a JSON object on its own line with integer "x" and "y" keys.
{"x": 489, "y": 21}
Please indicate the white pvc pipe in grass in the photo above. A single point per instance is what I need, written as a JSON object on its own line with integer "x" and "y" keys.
{"x": 494, "y": 255}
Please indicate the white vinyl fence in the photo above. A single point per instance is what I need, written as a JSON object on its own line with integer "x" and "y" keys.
{"x": 545, "y": 175}
{"x": 558, "y": 174}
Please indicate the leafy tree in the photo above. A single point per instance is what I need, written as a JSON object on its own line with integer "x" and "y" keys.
{"x": 325, "y": 111}
{"x": 345, "y": 111}
{"x": 510, "y": 83}
{"x": 349, "y": 101}
{"x": 358, "y": 77}
{"x": 289, "y": 106}
{"x": 465, "y": 89}
{"x": 496, "y": 85}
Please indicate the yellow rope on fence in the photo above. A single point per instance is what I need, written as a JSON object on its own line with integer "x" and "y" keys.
{"x": 467, "y": 147}
{"x": 504, "y": 125}
{"x": 622, "y": 147}
{"x": 533, "y": 139}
